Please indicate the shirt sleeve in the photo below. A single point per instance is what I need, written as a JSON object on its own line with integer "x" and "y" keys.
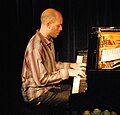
{"x": 62, "y": 65}
{"x": 40, "y": 74}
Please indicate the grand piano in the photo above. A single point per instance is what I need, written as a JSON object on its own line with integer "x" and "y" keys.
{"x": 103, "y": 72}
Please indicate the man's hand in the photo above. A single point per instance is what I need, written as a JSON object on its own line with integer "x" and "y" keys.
{"x": 81, "y": 66}
{"x": 76, "y": 73}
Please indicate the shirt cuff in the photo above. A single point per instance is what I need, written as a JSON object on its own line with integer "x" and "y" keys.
{"x": 65, "y": 73}
{"x": 66, "y": 65}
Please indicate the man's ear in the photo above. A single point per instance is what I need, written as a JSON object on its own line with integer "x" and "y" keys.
{"x": 49, "y": 25}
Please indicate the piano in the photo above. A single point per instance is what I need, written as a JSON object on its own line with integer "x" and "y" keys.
{"x": 103, "y": 72}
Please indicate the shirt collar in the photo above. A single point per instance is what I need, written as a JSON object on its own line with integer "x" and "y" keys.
{"x": 43, "y": 39}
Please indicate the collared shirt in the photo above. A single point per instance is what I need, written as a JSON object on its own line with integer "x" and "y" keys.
{"x": 40, "y": 71}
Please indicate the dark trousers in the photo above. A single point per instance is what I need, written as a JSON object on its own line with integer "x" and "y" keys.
{"x": 55, "y": 98}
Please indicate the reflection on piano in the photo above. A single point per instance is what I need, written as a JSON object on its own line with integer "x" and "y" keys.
{"x": 80, "y": 84}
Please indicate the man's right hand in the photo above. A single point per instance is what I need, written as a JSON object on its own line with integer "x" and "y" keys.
{"x": 76, "y": 73}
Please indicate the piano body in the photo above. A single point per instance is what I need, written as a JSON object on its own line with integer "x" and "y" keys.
{"x": 103, "y": 72}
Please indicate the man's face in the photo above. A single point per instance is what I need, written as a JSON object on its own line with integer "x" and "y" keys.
{"x": 56, "y": 27}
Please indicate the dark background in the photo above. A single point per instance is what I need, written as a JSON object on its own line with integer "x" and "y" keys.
{"x": 21, "y": 19}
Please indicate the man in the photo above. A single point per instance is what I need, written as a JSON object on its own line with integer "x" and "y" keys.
{"x": 41, "y": 74}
